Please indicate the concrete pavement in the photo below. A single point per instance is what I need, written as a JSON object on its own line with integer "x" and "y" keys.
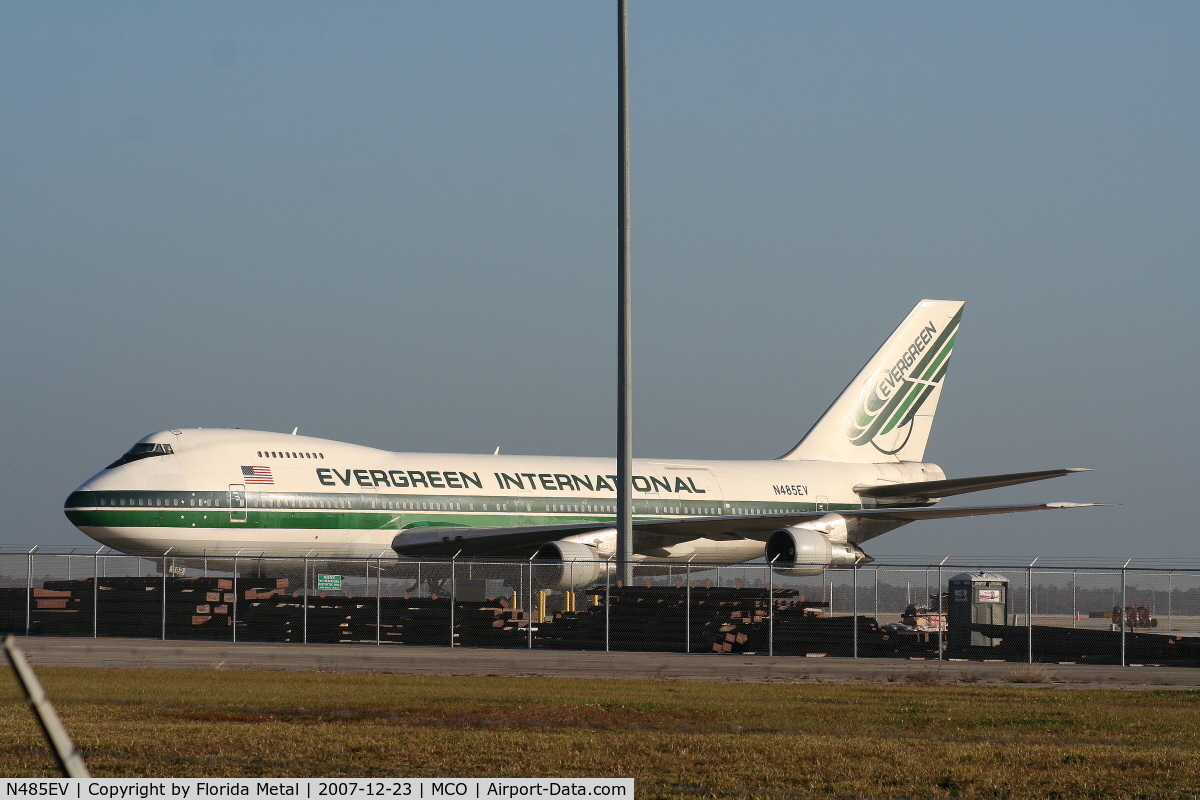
{"x": 153, "y": 654}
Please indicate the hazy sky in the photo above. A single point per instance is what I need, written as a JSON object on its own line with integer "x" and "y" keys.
{"x": 394, "y": 223}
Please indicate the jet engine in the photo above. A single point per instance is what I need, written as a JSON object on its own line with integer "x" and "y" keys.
{"x": 804, "y": 551}
{"x": 570, "y": 565}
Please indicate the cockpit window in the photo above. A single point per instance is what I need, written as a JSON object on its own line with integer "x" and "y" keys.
{"x": 142, "y": 450}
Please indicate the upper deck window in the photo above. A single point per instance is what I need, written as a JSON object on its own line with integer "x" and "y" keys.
{"x": 142, "y": 450}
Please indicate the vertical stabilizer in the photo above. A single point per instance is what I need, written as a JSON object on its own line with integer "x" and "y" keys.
{"x": 885, "y": 414}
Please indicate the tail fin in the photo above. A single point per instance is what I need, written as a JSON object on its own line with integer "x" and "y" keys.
{"x": 885, "y": 414}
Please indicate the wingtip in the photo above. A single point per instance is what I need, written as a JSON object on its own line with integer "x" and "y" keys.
{"x": 1078, "y": 505}
{"x": 1080, "y": 469}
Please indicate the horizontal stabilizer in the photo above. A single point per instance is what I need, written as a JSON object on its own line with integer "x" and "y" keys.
{"x": 932, "y": 490}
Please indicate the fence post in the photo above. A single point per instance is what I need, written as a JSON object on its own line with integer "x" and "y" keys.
{"x": 827, "y": 590}
{"x": 29, "y": 590}
{"x": 771, "y": 607}
{"x": 1124, "y": 616}
{"x": 453, "y": 592}
{"x": 607, "y": 603}
{"x": 164, "y": 595}
{"x": 532, "y": 602}
{"x": 927, "y": 596}
{"x": 1074, "y": 604}
{"x": 854, "y": 603}
{"x": 95, "y": 592}
{"x": 943, "y": 613}
{"x": 304, "y": 600}
{"x": 233, "y": 608}
{"x": 1170, "y": 591}
{"x": 378, "y": 596}
{"x": 1029, "y": 609}
{"x": 877, "y": 595}
{"x": 687, "y": 608}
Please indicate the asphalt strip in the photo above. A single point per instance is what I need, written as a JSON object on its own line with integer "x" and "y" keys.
{"x": 749, "y": 668}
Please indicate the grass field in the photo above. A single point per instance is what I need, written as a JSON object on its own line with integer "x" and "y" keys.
{"x": 678, "y": 739}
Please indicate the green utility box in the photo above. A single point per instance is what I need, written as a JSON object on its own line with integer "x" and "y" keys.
{"x": 980, "y": 598}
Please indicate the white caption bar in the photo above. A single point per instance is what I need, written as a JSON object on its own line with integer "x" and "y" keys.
{"x": 410, "y": 788}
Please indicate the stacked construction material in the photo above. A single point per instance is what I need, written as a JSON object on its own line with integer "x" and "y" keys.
{"x": 291, "y": 617}
{"x": 497, "y": 623}
{"x": 796, "y": 634}
{"x": 1083, "y": 645}
{"x": 721, "y": 619}
{"x": 12, "y": 610}
{"x": 194, "y": 608}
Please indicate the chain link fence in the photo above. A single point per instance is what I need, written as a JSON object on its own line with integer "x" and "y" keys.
{"x": 1117, "y": 614}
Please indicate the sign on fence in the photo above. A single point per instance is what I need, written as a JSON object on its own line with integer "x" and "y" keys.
{"x": 331, "y": 583}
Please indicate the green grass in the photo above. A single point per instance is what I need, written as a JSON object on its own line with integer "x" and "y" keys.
{"x": 678, "y": 739}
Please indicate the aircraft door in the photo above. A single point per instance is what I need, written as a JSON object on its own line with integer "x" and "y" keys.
{"x": 237, "y": 502}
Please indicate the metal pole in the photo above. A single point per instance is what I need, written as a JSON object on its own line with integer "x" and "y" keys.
{"x": 70, "y": 762}
{"x": 854, "y": 603}
{"x": 378, "y": 596}
{"x": 624, "y": 310}
{"x": 95, "y": 591}
{"x": 304, "y": 598}
{"x": 233, "y": 605}
{"x": 1074, "y": 604}
{"x": 529, "y": 626}
{"x": 29, "y": 590}
{"x": 771, "y": 607}
{"x": 942, "y": 616}
{"x": 1170, "y": 591}
{"x": 1124, "y": 615}
{"x": 1029, "y": 608}
{"x": 164, "y": 596}
{"x": 687, "y": 608}
{"x": 877, "y": 594}
{"x": 453, "y": 592}
{"x": 607, "y": 603}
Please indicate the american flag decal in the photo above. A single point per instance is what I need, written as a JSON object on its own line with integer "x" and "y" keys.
{"x": 257, "y": 475}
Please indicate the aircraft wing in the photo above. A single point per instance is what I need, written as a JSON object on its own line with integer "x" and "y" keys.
{"x": 523, "y": 542}
{"x": 929, "y": 490}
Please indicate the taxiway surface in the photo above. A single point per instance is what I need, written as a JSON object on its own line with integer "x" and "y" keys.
{"x": 151, "y": 654}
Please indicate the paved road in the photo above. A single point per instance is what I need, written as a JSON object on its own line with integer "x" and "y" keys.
{"x": 146, "y": 653}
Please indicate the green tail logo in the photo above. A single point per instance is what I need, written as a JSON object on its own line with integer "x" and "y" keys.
{"x": 893, "y": 396}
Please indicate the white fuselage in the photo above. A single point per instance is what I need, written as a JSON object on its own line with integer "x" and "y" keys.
{"x": 220, "y": 492}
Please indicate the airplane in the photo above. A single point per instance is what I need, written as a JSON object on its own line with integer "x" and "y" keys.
{"x": 858, "y": 473}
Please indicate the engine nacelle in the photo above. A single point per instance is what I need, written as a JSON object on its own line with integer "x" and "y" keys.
{"x": 803, "y": 551}
{"x": 576, "y": 566}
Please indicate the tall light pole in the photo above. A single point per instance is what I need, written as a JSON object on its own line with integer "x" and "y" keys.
{"x": 624, "y": 311}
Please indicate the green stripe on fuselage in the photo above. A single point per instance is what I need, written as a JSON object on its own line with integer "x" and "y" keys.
{"x": 367, "y": 511}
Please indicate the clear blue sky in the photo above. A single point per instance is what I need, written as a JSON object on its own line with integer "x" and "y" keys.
{"x": 394, "y": 224}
